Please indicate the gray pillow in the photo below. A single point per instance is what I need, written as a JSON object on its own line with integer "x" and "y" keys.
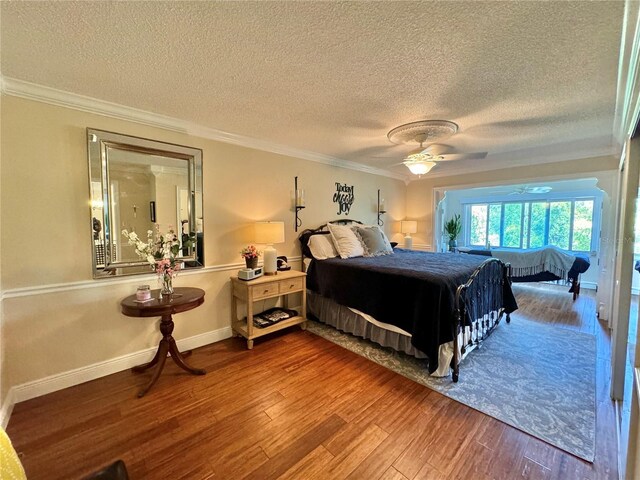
{"x": 374, "y": 242}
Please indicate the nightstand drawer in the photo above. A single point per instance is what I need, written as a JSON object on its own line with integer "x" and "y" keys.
{"x": 265, "y": 290}
{"x": 291, "y": 285}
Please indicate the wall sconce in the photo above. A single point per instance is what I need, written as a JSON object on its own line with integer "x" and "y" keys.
{"x": 381, "y": 209}
{"x": 408, "y": 227}
{"x": 298, "y": 202}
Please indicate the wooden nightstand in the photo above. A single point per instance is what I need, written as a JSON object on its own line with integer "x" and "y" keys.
{"x": 280, "y": 285}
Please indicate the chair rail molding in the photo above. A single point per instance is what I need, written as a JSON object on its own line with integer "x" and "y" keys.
{"x": 131, "y": 279}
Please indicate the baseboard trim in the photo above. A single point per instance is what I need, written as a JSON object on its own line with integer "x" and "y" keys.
{"x": 618, "y": 416}
{"x": 421, "y": 246}
{"x": 53, "y": 383}
{"x": 7, "y": 407}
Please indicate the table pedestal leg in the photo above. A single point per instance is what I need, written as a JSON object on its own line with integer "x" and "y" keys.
{"x": 179, "y": 359}
{"x": 167, "y": 346}
{"x": 163, "y": 348}
{"x": 144, "y": 366}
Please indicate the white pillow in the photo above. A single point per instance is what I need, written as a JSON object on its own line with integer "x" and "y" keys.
{"x": 345, "y": 241}
{"x": 321, "y": 247}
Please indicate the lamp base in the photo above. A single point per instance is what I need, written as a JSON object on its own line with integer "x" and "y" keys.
{"x": 270, "y": 264}
{"x": 408, "y": 242}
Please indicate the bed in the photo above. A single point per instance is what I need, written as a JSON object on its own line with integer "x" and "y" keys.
{"x": 545, "y": 264}
{"x": 438, "y": 306}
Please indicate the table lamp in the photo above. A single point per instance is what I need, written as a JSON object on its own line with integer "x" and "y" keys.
{"x": 268, "y": 233}
{"x": 408, "y": 227}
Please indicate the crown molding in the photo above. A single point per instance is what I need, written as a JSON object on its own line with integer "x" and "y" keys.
{"x": 627, "y": 107}
{"x": 31, "y": 91}
{"x": 532, "y": 158}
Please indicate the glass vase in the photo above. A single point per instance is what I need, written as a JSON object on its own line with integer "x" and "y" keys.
{"x": 166, "y": 284}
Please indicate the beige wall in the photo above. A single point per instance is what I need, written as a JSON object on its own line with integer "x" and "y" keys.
{"x": 46, "y": 235}
{"x": 3, "y": 382}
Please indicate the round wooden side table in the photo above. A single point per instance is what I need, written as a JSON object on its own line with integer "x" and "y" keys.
{"x": 183, "y": 299}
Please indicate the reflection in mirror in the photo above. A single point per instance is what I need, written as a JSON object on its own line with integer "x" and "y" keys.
{"x": 138, "y": 185}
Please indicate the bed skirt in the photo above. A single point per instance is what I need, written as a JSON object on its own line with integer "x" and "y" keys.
{"x": 361, "y": 325}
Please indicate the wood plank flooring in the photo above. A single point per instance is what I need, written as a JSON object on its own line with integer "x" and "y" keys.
{"x": 300, "y": 407}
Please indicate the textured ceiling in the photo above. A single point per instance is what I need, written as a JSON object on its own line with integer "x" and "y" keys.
{"x": 523, "y": 80}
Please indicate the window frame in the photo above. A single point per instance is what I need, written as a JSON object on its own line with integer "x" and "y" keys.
{"x": 531, "y": 199}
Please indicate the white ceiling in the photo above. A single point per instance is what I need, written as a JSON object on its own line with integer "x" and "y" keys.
{"x": 525, "y": 81}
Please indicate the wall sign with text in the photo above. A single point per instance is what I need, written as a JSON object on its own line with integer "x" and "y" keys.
{"x": 343, "y": 197}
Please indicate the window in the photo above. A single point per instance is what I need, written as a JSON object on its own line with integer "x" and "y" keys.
{"x": 564, "y": 223}
{"x": 478, "y": 225}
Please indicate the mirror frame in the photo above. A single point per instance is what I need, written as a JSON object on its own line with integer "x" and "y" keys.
{"x": 98, "y": 144}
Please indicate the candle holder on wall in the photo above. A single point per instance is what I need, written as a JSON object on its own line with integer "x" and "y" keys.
{"x": 298, "y": 202}
{"x": 381, "y": 209}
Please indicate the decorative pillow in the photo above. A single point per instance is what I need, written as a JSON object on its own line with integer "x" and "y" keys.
{"x": 374, "y": 241}
{"x": 345, "y": 241}
{"x": 10, "y": 466}
{"x": 321, "y": 247}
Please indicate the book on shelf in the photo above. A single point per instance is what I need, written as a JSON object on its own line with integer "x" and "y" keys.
{"x": 272, "y": 316}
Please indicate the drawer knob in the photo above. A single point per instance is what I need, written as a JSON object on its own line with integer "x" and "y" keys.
{"x": 266, "y": 291}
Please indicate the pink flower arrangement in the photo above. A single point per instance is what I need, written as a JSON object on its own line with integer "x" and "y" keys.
{"x": 250, "y": 252}
{"x": 165, "y": 267}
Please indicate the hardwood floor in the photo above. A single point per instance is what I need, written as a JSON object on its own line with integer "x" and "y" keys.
{"x": 300, "y": 407}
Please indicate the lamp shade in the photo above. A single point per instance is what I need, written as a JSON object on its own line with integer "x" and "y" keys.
{"x": 268, "y": 233}
{"x": 408, "y": 226}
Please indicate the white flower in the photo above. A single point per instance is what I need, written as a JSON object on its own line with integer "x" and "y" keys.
{"x": 158, "y": 246}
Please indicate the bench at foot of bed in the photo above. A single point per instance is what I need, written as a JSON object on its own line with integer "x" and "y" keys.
{"x": 575, "y": 289}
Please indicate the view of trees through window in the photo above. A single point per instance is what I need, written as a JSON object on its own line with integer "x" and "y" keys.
{"x": 567, "y": 224}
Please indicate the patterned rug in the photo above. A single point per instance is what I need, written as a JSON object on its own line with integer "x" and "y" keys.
{"x": 535, "y": 377}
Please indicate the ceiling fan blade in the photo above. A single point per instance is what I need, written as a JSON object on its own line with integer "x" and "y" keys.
{"x": 437, "y": 149}
{"x": 449, "y": 157}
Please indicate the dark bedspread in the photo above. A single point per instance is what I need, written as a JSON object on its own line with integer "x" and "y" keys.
{"x": 412, "y": 290}
{"x": 580, "y": 265}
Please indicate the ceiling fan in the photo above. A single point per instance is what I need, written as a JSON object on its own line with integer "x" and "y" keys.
{"x": 422, "y": 159}
{"x": 523, "y": 189}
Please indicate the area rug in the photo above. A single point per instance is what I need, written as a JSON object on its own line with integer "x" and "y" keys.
{"x": 534, "y": 377}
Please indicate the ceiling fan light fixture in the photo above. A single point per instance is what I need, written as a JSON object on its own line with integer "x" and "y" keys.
{"x": 419, "y": 167}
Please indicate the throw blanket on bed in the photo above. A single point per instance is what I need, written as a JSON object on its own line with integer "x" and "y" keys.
{"x": 530, "y": 262}
{"x": 414, "y": 291}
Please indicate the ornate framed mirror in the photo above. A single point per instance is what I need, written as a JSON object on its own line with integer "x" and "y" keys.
{"x": 139, "y": 185}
